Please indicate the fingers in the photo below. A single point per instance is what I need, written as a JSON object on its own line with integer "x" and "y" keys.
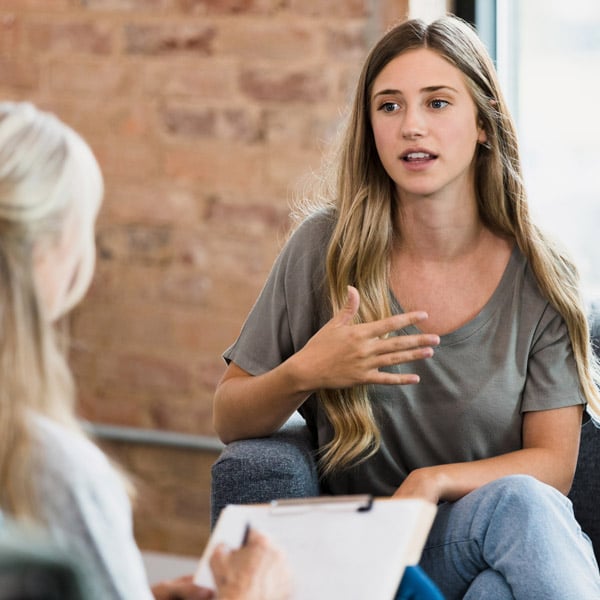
{"x": 376, "y": 328}
{"x": 395, "y": 323}
{"x": 218, "y": 562}
{"x": 255, "y": 538}
{"x": 182, "y": 588}
{"x": 407, "y": 347}
{"x": 347, "y": 314}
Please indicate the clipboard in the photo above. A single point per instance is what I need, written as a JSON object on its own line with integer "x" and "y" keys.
{"x": 337, "y": 547}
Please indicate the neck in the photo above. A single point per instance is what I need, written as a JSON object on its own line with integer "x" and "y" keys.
{"x": 439, "y": 230}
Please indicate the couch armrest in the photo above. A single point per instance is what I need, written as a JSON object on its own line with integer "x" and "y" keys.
{"x": 263, "y": 469}
{"x": 586, "y": 485}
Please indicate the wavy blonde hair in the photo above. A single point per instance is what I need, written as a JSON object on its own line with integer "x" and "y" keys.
{"x": 46, "y": 172}
{"x": 362, "y": 196}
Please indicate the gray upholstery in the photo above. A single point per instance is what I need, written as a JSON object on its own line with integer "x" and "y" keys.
{"x": 260, "y": 470}
{"x": 585, "y": 492}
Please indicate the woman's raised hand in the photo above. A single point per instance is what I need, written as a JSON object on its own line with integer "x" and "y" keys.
{"x": 342, "y": 353}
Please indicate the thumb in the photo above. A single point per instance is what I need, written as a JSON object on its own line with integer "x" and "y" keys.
{"x": 348, "y": 312}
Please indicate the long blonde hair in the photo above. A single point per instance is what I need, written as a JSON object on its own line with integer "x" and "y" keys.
{"x": 46, "y": 170}
{"x": 364, "y": 203}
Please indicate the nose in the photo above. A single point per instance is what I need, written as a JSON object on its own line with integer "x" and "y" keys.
{"x": 414, "y": 124}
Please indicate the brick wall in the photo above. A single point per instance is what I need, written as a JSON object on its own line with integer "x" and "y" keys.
{"x": 205, "y": 115}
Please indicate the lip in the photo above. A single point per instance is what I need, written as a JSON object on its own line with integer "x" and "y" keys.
{"x": 417, "y": 159}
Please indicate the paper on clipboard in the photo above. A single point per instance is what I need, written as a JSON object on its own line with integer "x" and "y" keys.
{"x": 334, "y": 552}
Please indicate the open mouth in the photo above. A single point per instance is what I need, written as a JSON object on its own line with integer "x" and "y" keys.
{"x": 413, "y": 157}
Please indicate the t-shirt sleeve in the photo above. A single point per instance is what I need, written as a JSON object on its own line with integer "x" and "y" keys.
{"x": 552, "y": 379}
{"x": 291, "y": 306}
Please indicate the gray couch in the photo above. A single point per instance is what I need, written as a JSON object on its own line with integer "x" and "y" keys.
{"x": 283, "y": 466}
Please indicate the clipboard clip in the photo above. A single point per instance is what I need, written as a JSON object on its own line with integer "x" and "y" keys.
{"x": 350, "y": 503}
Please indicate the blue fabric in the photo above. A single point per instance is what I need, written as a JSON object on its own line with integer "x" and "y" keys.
{"x": 474, "y": 551}
{"x": 415, "y": 585}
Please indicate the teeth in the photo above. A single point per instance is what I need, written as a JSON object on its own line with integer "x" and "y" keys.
{"x": 417, "y": 155}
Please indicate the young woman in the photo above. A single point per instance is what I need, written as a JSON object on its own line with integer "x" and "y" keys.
{"x": 51, "y": 475}
{"x": 434, "y": 340}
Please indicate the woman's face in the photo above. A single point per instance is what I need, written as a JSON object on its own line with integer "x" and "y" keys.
{"x": 425, "y": 125}
{"x": 63, "y": 265}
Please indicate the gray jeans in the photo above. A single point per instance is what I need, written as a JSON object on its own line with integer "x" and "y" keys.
{"x": 512, "y": 538}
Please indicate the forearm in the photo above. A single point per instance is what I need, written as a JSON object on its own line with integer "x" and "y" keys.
{"x": 453, "y": 481}
{"x": 246, "y": 406}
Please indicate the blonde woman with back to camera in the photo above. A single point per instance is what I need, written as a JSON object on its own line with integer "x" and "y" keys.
{"x": 51, "y": 475}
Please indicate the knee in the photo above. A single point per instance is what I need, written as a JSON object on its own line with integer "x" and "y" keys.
{"x": 526, "y": 493}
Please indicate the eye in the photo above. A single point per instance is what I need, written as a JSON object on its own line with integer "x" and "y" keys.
{"x": 437, "y": 103}
{"x": 389, "y": 107}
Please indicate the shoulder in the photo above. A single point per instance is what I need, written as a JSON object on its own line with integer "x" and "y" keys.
{"x": 86, "y": 509}
{"x": 314, "y": 230}
{"x": 303, "y": 257}
{"x": 73, "y": 472}
{"x": 537, "y": 309}
{"x": 64, "y": 448}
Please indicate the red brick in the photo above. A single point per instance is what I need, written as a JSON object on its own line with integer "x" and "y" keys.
{"x": 97, "y": 407}
{"x": 184, "y": 285}
{"x": 134, "y": 161}
{"x": 318, "y": 8}
{"x": 17, "y": 73}
{"x": 195, "y": 38}
{"x": 130, "y": 5}
{"x": 10, "y": 34}
{"x": 246, "y": 219}
{"x": 136, "y": 243}
{"x": 288, "y": 169}
{"x": 210, "y": 372}
{"x": 348, "y": 43}
{"x": 229, "y": 166}
{"x": 191, "y": 416}
{"x": 214, "y": 78}
{"x": 189, "y": 122}
{"x": 141, "y": 372}
{"x": 237, "y": 124}
{"x": 115, "y": 284}
{"x": 310, "y": 128}
{"x": 272, "y": 39}
{"x": 159, "y": 204}
{"x": 228, "y": 7}
{"x": 46, "y": 5}
{"x": 284, "y": 85}
{"x": 71, "y": 36}
{"x": 74, "y": 76}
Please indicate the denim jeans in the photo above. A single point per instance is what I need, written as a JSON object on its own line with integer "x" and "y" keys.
{"x": 512, "y": 538}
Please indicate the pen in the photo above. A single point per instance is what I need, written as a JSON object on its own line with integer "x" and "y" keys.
{"x": 246, "y": 533}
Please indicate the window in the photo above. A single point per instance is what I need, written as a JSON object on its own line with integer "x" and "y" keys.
{"x": 548, "y": 57}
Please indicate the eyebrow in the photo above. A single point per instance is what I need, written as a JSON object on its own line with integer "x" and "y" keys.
{"x": 427, "y": 90}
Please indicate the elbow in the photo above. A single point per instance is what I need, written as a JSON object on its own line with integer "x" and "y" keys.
{"x": 220, "y": 423}
{"x": 566, "y": 484}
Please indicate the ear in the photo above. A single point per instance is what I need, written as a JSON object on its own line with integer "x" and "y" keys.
{"x": 482, "y": 135}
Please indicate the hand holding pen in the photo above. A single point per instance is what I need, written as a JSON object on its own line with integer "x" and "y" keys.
{"x": 257, "y": 570}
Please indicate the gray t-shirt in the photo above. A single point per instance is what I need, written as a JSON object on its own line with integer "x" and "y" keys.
{"x": 515, "y": 356}
{"x": 88, "y": 512}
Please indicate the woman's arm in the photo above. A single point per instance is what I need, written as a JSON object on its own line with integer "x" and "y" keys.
{"x": 550, "y": 450}
{"x": 341, "y": 354}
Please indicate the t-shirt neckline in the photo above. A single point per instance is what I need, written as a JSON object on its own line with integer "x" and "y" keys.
{"x": 495, "y": 301}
